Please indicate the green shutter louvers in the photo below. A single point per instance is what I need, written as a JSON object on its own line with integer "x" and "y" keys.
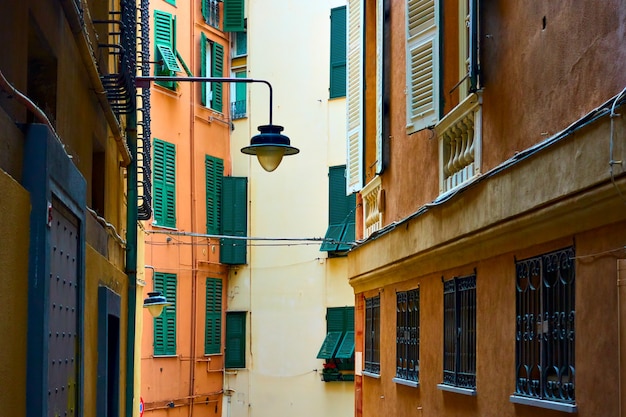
{"x": 234, "y": 220}
{"x": 234, "y": 16}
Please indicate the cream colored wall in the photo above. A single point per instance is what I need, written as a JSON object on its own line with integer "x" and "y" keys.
{"x": 286, "y": 289}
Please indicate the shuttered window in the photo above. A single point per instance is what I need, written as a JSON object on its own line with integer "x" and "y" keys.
{"x": 214, "y": 179}
{"x": 211, "y": 65}
{"x": 423, "y": 64}
{"x": 234, "y": 16}
{"x": 355, "y": 96}
{"x": 234, "y": 220}
{"x": 339, "y": 340}
{"x": 213, "y": 321}
{"x": 341, "y": 208}
{"x": 211, "y": 12}
{"x": 165, "y": 324}
{"x": 338, "y": 52}
{"x": 164, "y": 183}
{"x": 235, "y": 351}
{"x": 165, "y": 47}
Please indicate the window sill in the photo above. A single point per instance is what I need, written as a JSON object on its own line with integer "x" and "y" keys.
{"x": 158, "y": 226}
{"x": 406, "y": 382}
{"x": 371, "y": 374}
{"x": 465, "y": 391}
{"x": 550, "y": 405}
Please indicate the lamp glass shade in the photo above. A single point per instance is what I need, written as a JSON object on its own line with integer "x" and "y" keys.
{"x": 155, "y": 309}
{"x": 270, "y": 157}
{"x": 270, "y": 146}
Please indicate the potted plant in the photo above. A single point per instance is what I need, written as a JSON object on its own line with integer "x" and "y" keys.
{"x": 330, "y": 372}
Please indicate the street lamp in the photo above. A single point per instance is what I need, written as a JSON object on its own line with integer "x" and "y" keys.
{"x": 269, "y": 145}
{"x": 156, "y": 302}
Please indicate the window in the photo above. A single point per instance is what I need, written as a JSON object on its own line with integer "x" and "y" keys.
{"x": 234, "y": 16}
{"x": 165, "y": 44}
{"x": 164, "y": 183}
{"x": 213, "y": 320}
{"x": 423, "y": 64}
{"x": 338, "y": 346}
{"x": 372, "y": 335}
{"x": 165, "y": 324}
{"x": 211, "y": 12}
{"x": 211, "y": 65}
{"x": 341, "y": 218}
{"x": 545, "y": 330}
{"x": 339, "y": 341}
{"x": 459, "y": 334}
{"x": 234, "y": 220}
{"x": 338, "y": 52}
{"x": 407, "y": 336}
{"x": 240, "y": 44}
{"x": 238, "y": 107}
{"x": 235, "y": 353}
{"x": 214, "y": 180}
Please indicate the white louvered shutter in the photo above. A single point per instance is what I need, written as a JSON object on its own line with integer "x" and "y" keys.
{"x": 422, "y": 64}
{"x": 354, "y": 169}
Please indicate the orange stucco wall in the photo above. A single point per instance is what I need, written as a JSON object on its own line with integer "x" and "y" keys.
{"x": 190, "y": 381}
{"x": 537, "y": 79}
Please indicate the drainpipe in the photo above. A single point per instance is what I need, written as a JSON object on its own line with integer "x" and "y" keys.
{"x": 621, "y": 336}
{"x": 194, "y": 267}
{"x": 131, "y": 261}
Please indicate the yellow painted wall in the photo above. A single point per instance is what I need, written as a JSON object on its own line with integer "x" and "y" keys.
{"x": 15, "y": 209}
{"x": 286, "y": 289}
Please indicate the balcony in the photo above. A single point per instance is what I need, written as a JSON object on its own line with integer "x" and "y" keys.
{"x": 238, "y": 109}
{"x": 373, "y": 206}
{"x": 459, "y": 136}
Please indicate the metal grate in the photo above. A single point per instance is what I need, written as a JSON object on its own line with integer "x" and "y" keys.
{"x": 545, "y": 326}
{"x": 407, "y": 335}
{"x": 459, "y": 339}
{"x": 372, "y": 334}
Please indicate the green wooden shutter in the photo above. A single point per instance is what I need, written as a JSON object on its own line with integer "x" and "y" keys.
{"x": 234, "y": 220}
{"x": 217, "y": 70}
{"x": 165, "y": 46}
{"x": 329, "y": 346}
{"x": 234, "y": 16}
{"x": 214, "y": 178}
{"x": 341, "y": 216}
{"x": 165, "y": 324}
{"x": 213, "y": 321}
{"x": 346, "y": 349}
{"x": 164, "y": 183}
{"x": 203, "y": 68}
{"x": 339, "y": 341}
{"x": 235, "y": 351}
{"x": 473, "y": 45}
{"x": 338, "y": 52}
{"x": 204, "y": 6}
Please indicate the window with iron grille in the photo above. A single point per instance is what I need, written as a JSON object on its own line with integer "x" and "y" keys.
{"x": 459, "y": 333}
{"x": 211, "y": 12}
{"x": 545, "y": 327}
{"x": 407, "y": 335}
{"x": 372, "y": 335}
